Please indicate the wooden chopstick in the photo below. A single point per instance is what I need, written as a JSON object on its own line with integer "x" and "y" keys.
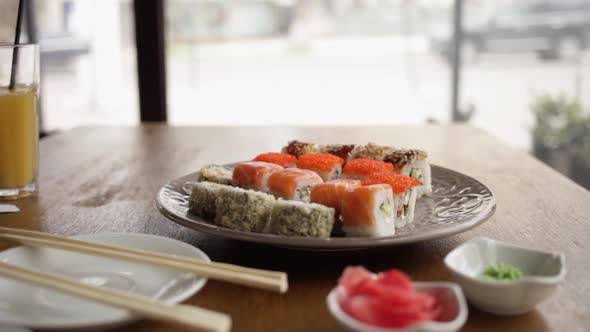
{"x": 181, "y": 315}
{"x": 268, "y": 280}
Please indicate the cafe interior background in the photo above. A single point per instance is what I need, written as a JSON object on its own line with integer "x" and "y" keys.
{"x": 329, "y": 62}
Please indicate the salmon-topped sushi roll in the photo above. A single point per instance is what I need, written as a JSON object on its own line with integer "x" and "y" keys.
{"x": 281, "y": 159}
{"x": 368, "y": 211}
{"x": 254, "y": 175}
{"x": 330, "y": 193}
{"x": 293, "y": 183}
{"x": 327, "y": 166}
{"x": 360, "y": 169}
{"x": 404, "y": 189}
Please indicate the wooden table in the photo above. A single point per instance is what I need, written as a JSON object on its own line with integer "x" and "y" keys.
{"x": 105, "y": 180}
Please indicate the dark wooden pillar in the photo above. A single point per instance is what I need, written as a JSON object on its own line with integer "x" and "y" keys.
{"x": 151, "y": 61}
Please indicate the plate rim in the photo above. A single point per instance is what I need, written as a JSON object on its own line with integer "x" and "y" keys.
{"x": 304, "y": 243}
{"x": 128, "y": 318}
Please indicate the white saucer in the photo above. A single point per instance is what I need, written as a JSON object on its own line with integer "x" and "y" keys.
{"x": 38, "y": 308}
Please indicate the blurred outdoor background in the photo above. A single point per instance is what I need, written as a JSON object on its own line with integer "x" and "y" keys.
{"x": 525, "y": 74}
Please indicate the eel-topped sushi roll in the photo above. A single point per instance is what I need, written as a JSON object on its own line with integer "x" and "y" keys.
{"x": 330, "y": 193}
{"x": 368, "y": 211}
{"x": 360, "y": 169}
{"x": 298, "y": 148}
{"x": 370, "y": 151}
{"x": 293, "y": 183}
{"x": 328, "y": 167}
{"x": 216, "y": 173}
{"x": 341, "y": 150}
{"x": 412, "y": 163}
{"x": 278, "y": 158}
{"x": 404, "y": 191}
{"x": 254, "y": 175}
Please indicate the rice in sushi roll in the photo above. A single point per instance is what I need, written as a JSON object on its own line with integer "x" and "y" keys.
{"x": 241, "y": 209}
{"x": 404, "y": 190}
{"x": 330, "y": 193}
{"x": 202, "y": 202}
{"x": 281, "y": 159}
{"x": 254, "y": 175}
{"x": 295, "y": 218}
{"x": 327, "y": 166}
{"x": 412, "y": 163}
{"x": 216, "y": 173}
{"x": 368, "y": 211}
{"x": 360, "y": 169}
{"x": 293, "y": 183}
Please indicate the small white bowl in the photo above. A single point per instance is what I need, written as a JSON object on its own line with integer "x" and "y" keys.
{"x": 542, "y": 272}
{"x": 455, "y": 311}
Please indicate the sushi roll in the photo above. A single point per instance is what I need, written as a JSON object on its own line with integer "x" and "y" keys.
{"x": 293, "y": 183}
{"x": 295, "y": 218}
{"x": 216, "y": 173}
{"x": 404, "y": 190}
{"x": 241, "y": 209}
{"x": 412, "y": 163}
{"x": 360, "y": 169}
{"x": 281, "y": 159}
{"x": 254, "y": 175}
{"x": 328, "y": 167}
{"x": 370, "y": 151}
{"x": 202, "y": 202}
{"x": 298, "y": 148}
{"x": 331, "y": 193}
{"x": 368, "y": 211}
{"x": 341, "y": 150}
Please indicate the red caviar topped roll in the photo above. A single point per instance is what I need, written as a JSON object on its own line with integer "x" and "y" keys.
{"x": 320, "y": 161}
{"x": 362, "y": 168}
{"x": 281, "y": 159}
{"x": 399, "y": 183}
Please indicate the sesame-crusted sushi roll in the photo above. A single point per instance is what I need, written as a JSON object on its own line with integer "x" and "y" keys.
{"x": 412, "y": 163}
{"x": 297, "y": 148}
{"x": 328, "y": 167}
{"x": 254, "y": 175}
{"x": 281, "y": 159}
{"x": 404, "y": 189}
{"x": 368, "y": 211}
{"x": 216, "y": 173}
{"x": 241, "y": 209}
{"x": 300, "y": 219}
{"x": 360, "y": 169}
{"x": 202, "y": 202}
{"x": 293, "y": 183}
{"x": 330, "y": 193}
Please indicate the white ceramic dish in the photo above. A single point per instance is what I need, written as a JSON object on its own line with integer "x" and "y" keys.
{"x": 542, "y": 272}
{"x": 42, "y": 309}
{"x": 455, "y": 311}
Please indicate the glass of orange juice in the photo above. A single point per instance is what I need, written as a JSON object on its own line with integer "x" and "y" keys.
{"x": 19, "y": 131}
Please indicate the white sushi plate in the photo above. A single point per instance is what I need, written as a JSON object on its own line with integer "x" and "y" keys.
{"x": 37, "y": 308}
{"x": 457, "y": 204}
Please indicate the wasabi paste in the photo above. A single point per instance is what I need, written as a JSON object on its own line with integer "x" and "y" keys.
{"x": 502, "y": 272}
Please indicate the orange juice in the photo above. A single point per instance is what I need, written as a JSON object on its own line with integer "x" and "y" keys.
{"x": 18, "y": 137}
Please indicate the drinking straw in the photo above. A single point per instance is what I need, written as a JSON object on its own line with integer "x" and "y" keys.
{"x": 16, "y": 42}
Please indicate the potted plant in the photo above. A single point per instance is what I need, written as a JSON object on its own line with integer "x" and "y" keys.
{"x": 561, "y": 136}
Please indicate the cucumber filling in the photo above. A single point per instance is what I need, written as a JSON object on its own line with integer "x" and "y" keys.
{"x": 416, "y": 173}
